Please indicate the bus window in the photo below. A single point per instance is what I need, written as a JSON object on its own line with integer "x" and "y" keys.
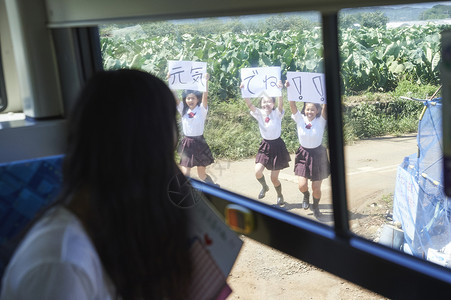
{"x": 392, "y": 127}
{"x": 254, "y": 52}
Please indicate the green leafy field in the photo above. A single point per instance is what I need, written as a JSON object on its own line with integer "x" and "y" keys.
{"x": 378, "y": 65}
{"x": 373, "y": 59}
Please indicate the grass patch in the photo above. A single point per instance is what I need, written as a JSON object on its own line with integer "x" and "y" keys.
{"x": 232, "y": 133}
{"x": 387, "y": 198}
{"x": 368, "y": 119}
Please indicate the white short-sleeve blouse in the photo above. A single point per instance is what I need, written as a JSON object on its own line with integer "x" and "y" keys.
{"x": 270, "y": 125}
{"x": 193, "y": 121}
{"x": 56, "y": 260}
{"x": 310, "y": 134}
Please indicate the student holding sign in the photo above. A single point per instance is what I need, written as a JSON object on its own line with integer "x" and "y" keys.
{"x": 311, "y": 160}
{"x": 193, "y": 149}
{"x": 272, "y": 153}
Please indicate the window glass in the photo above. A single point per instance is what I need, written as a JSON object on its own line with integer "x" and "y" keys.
{"x": 292, "y": 42}
{"x": 390, "y": 59}
{"x": 241, "y": 140}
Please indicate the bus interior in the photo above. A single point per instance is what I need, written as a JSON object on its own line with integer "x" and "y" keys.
{"x": 49, "y": 48}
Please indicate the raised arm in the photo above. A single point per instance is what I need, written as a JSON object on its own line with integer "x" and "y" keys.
{"x": 205, "y": 94}
{"x": 280, "y": 99}
{"x": 293, "y": 107}
{"x": 324, "y": 111}
{"x": 177, "y": 100}
{"x": 174, "y": 92}
{"x": 249, "y": 104}
{"x": 248, "y": 101}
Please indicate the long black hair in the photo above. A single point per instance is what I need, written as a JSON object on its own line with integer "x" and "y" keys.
{"x": 120, "y": 158}
{"x": 185, "y": 93}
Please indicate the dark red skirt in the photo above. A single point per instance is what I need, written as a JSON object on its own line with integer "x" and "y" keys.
{"x": 273, "y": 154}
{"x": 194, "y": 151}
{"x": 312, "y": 163}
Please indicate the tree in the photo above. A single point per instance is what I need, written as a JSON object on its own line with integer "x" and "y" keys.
{"x": 375, "y": 19}
{"x": 347, "y": 20}
{"x": 437, "y": 12}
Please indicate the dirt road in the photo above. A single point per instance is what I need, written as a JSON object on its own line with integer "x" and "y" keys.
{"x": 264, "y": 273}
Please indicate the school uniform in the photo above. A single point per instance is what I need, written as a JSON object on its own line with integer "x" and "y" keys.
{"x": 272, "y": 153}
{"x": 193, "y": 149}
{"x": 57, "y": 260}
{"x": 311, "y": 159}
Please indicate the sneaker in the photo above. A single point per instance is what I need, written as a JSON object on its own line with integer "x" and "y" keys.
{"x": 263, "y": 192}
{"x": 316, "y": 212}
{"x": 305, "y": 203}
{"x": 315, "y": 208}
{"x": 210, "y": 181}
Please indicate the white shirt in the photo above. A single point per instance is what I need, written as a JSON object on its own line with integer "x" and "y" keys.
{"x": 193, "y": 121}
{"x": 313, "y": 137}
{"x": 56, "y": 260}
{"x": 270, "y": 125}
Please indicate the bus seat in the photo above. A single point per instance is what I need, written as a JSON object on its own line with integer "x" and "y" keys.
{"x": 25, "y": 188}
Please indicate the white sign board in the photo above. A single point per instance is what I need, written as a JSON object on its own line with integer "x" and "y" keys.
{"x": 187, "y": 75}
{"x": 306, "y": 87}
{"x": 260, "y": 81}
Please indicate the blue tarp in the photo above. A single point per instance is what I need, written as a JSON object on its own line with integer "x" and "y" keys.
{"x": 419, "y": 203}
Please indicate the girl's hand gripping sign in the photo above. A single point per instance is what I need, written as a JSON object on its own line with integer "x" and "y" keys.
{"x": 259, "y": 81}
{"x": 187, "y": 75}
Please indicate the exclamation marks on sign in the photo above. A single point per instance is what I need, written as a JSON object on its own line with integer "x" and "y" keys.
{"x": 318, "y": 83}
{"x": 298, "y": 84}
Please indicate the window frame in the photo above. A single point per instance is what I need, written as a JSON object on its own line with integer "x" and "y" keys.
{"x": 381, "y": 269}
{"x": 3, "y": 95}
{"x": 376, "y": 267}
